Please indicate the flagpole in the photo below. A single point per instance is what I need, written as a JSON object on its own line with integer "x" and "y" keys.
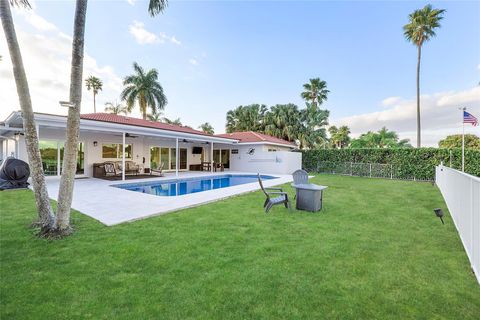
{"x": 463, "y": 140}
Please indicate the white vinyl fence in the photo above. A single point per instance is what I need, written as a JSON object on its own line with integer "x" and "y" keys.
{"x": 461, "y": 192}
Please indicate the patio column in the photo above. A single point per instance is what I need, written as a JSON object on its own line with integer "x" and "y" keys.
{"x": 123, "y": 156}
{"x": 59, "y": 159}
{"x": 211, "y": 158}
{"x": 176, "y": 157}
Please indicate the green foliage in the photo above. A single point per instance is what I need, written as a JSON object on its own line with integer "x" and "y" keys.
{"x": 315, "y": 92}
{"x": 116, "y": 108}
{"x": 375, "y": 251}
{"x": 207, "y": 128}
{"x": 93, "y": 83}
{"x": 455, "y": 141}
{"x": 284, "y": 121}
{"x": 422, "y": 24}
{"x": 419, "y": 162}
{"x": 144, "y": 88}
{"x": 339, "y": 137}
{"x": 381, "y": 139}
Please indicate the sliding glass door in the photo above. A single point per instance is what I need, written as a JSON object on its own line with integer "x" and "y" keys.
{"x": 168, "y": 157}
{"x": 222, "y": 156}
{"x": 52, "y": 157}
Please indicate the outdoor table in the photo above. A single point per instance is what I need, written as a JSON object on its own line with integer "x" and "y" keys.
{"x": 309, "y": 196}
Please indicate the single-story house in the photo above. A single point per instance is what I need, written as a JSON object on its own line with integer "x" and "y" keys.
{"x": 108, "y": 137}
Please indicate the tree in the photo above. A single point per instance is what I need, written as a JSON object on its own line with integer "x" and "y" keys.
{"x": 65, "y": 191}
{"x": 284, "y": 121}
{"x": 246, "y": 118}
{"x": 207, "y": 128}
{"x": 96, "y": 85}
{"x": 116, "y": 108}
{"x": 144, "y": 88}
{"x": 420, "y": 29}
{"x": 176, "y": 122}
{"x": 157, "y": 117}
{"x": 455, "y": 141}
{"x": 381, "y": 139}
{"x": 315, "y": 92}
{"x": 339, "y": 137}
{"x": 46, "y": 219}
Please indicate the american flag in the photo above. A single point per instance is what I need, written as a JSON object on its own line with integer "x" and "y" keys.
{"x": 469, "y": 118}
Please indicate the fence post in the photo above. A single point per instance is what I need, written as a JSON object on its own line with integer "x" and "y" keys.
{"x": 351, "y": 168}
{"x": 391, "y": 171}
{"x": 370, "y": 170}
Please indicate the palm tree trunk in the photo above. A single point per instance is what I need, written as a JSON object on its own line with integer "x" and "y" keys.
{"x": 94, "y": 104}
{"x": 45, "y": 215}
{"x": 419, "y": 142}
{"x": 143, "y": 107}
{"x": 73, "y": 122}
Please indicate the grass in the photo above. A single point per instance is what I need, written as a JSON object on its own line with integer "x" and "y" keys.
{"x": 376, "y": 251}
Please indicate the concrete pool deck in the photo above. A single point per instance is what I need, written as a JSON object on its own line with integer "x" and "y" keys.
{"x": 97, "y": 198}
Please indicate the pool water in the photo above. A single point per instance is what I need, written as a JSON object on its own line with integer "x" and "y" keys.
{"x": 169, "y": 188}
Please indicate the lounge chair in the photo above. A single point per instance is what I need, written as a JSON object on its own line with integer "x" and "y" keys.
{"x": 158, "y": 170}
{"x": 281, "y": 197}
{"x": 300, "y": 177}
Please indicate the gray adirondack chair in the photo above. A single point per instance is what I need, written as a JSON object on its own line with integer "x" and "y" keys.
{"x": 280, "y": 197}
{"x": 300, "y": 177}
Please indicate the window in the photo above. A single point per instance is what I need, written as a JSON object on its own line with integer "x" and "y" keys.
{"x": 115, "y": 150}
{"x": 167, "y": 157}
{"x": 272, "y": 150}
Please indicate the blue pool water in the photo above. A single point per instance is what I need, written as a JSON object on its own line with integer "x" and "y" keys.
{"x": 169, "y": 188}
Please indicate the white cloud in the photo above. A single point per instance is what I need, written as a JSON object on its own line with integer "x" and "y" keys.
{"x": 390, "y": 101}
{"x": 439, "y": 116}
{"x": 132, "y": 2}
{"x": 46, "y": 55}
{"x": 143, "y": 36}
{"x": 193, "y": 62}
{"x": 36, "y": 21}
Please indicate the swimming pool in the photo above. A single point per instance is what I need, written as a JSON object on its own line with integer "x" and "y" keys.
{"x": 169, "y": 188}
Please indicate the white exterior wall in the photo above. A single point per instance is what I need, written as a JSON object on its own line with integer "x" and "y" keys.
{"x": 279, "y": 162}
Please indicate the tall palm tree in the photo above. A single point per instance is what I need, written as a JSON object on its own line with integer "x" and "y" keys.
{"x": 420, "y": 29}
{"x": 96, "y": 85}
{"x": 144, "y": 88}
{"x": 207, "y": 128}
{"x": 315, "y": 92}
{"x": 46, "y": 219}
{"x": 65, "y": 192}
{"x": 116, "y": 108}
{"x": 246, "y": 118}
{"x": 157, "y": 6}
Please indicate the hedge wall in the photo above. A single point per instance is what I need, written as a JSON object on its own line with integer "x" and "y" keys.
{"x": 416, "y": 162}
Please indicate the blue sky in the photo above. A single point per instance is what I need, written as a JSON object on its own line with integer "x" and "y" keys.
{"x": 215, "y": 55}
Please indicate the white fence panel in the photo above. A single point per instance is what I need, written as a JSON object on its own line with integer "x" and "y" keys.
{"x": 461, "y": 192}
{"x": 280, "y": 162}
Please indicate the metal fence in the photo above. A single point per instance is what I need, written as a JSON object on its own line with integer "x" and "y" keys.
{"x": 372, "y": 170}
{"x": 461, "y": 192}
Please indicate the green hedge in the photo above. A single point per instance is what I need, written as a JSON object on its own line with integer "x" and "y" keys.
{"x": 414, "y": 162}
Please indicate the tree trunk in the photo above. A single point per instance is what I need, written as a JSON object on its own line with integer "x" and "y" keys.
{"x": 45, "y": 215}
{"x": 94, "y": 104}
{"x": 73, "y": 122}
{"x": 143, "y": 107}
{"x": 419, "y": 141}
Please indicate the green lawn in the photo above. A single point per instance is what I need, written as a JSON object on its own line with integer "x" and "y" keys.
{"x": 375, "y": 251}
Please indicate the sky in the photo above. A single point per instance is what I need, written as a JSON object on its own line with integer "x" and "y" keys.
{"x": 213, "y": 56}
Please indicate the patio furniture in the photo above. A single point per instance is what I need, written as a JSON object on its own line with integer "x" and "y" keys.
{"x": 281, "y": 197}
{"x": 300, "y": 177}
{"x": 158, "y": 170}
{"x": 309, "y": 196}
{"x": 195, "y": 167}
{"x": 110, "y": 169}
{"x": 130, "y": 167}
{"x": 218, "y": 167}
{"x": 206, "y": 166}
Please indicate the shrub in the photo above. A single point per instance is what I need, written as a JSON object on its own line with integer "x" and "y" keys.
{"x": 419, "y": 163}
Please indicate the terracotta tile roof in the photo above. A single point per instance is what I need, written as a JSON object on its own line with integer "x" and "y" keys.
{"x": 251, "y": 136}
{"x": 113, "y": 118}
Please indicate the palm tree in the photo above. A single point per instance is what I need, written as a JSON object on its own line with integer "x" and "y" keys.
{"x": 65, "y": 192}
{"x": 246, "y": 118}
{"x": 94, "y": 84}
{"x": 176, "y": 122}
{"x": 144, "y": 88}
{"x": 157, "y": 117}
{"x": 157, "y": 6}
{"x": 207, "y": 128}
{"x": 420, "y": 29}
{"x": 116, "y": 108}
{"x": 46, "y": 219}
{"x": 315, "y": 92}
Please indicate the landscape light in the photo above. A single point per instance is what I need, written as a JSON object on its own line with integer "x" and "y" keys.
{"x": 439, "y": 213}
